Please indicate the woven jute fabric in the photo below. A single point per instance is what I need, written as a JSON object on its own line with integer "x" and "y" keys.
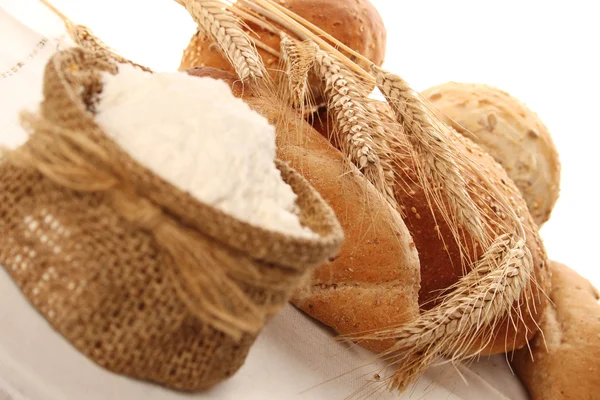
{"x": 138, "y": 275}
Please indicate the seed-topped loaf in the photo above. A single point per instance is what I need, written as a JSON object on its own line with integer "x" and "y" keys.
{"x": 510, "y": 132}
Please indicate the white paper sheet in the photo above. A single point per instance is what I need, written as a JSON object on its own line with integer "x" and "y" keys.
{"x": 294, "y": 358}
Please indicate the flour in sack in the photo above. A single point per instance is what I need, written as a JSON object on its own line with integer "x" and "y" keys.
{"x": 195, "y": 134}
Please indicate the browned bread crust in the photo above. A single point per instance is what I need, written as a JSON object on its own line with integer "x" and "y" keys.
{"x": 439, "y": 254}
{"x": 510, "y": 132}
{"x": 567, "y": 365}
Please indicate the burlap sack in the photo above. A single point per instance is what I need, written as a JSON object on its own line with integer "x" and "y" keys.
{"x": 138, "y": 275}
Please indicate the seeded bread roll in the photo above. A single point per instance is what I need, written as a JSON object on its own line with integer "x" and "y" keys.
{"x": 439, "y": 254}
{"x": 355, "y": 23}
{"x": 374, "y": 282}
{"x": 566, "y": 358}
{"x": 510, "y": 132}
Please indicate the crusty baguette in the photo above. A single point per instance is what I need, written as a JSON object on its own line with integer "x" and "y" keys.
{"x": 510, "y": 132}
{"x": 564, "y": 362}
{"x": 439, "y": 254}
{"x": 374, "y": 281}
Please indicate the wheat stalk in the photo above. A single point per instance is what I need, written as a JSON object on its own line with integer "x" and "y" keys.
{"x": 414, "y": 366}
{"x": 84, "y": 37}
{"x": 346, "y": 104}
{"x": 298, "y": 58}
{"x": 354, "y": 122}
{"x": 475, "y": 303}
{"x": 386, "y": 150}
{"x": 394, "y": 149}
{"x": 300, "y": 27}
{"x": 466, "y": 315}
{"x": 224, "y": 28}
{"x": 440, "y": 161}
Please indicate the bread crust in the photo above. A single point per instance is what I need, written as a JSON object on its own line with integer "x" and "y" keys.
{"x": 355, "y": 23}
{"x": 510, "y": 132}
{"x": 566, "y": 358}
{"x": 440, "y": 255}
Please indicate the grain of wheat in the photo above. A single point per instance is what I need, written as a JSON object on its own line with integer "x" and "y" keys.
{"x": 353, "y": 123}
{"x": 345, "y": 102}
{"x": 84, "y": 37}
{"x": 439, "y": 159}
{"x": 298, "y": 58}
{"x": 394, "y": 149}
{"x": 224, "y": 28}
{"x": 385, "y": 150}
{"x": 494, "y": 289}
{"x": 471, "y": 311}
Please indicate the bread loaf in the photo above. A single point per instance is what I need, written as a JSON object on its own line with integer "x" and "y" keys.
{"x": 564, "y": 362}
{"x": 374, "y": 281}
{"x": 355, "y": 23}
{"x": 510, "y": 132}
{"x": 439, "y": 254}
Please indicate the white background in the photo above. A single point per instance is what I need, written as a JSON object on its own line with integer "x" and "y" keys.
{"x": 544, "y": 53}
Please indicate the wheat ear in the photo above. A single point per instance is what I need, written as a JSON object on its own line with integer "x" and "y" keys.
{"x": 224, "y": 28}
{"x": 298, "y": 58}
{"x": 386, "y": 150}
{"x": 84, "y": 37}
{"x": 431, "y": 145}
{"x": 468, "y": 315}
{"x": 354, "y": 125}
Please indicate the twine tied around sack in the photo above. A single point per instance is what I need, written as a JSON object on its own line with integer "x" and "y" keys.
{"x": 211, "y": 278}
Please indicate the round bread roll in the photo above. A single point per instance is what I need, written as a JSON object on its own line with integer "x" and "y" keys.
{"x": 374, "y": 281}
{"x": 509, "y": 132}
{"x": 440, "y": 255}
{"x": 564, "y": 362}
{"x": 355, "y": 23}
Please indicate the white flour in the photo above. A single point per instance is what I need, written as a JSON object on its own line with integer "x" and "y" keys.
{"x": 195, "y": 134}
